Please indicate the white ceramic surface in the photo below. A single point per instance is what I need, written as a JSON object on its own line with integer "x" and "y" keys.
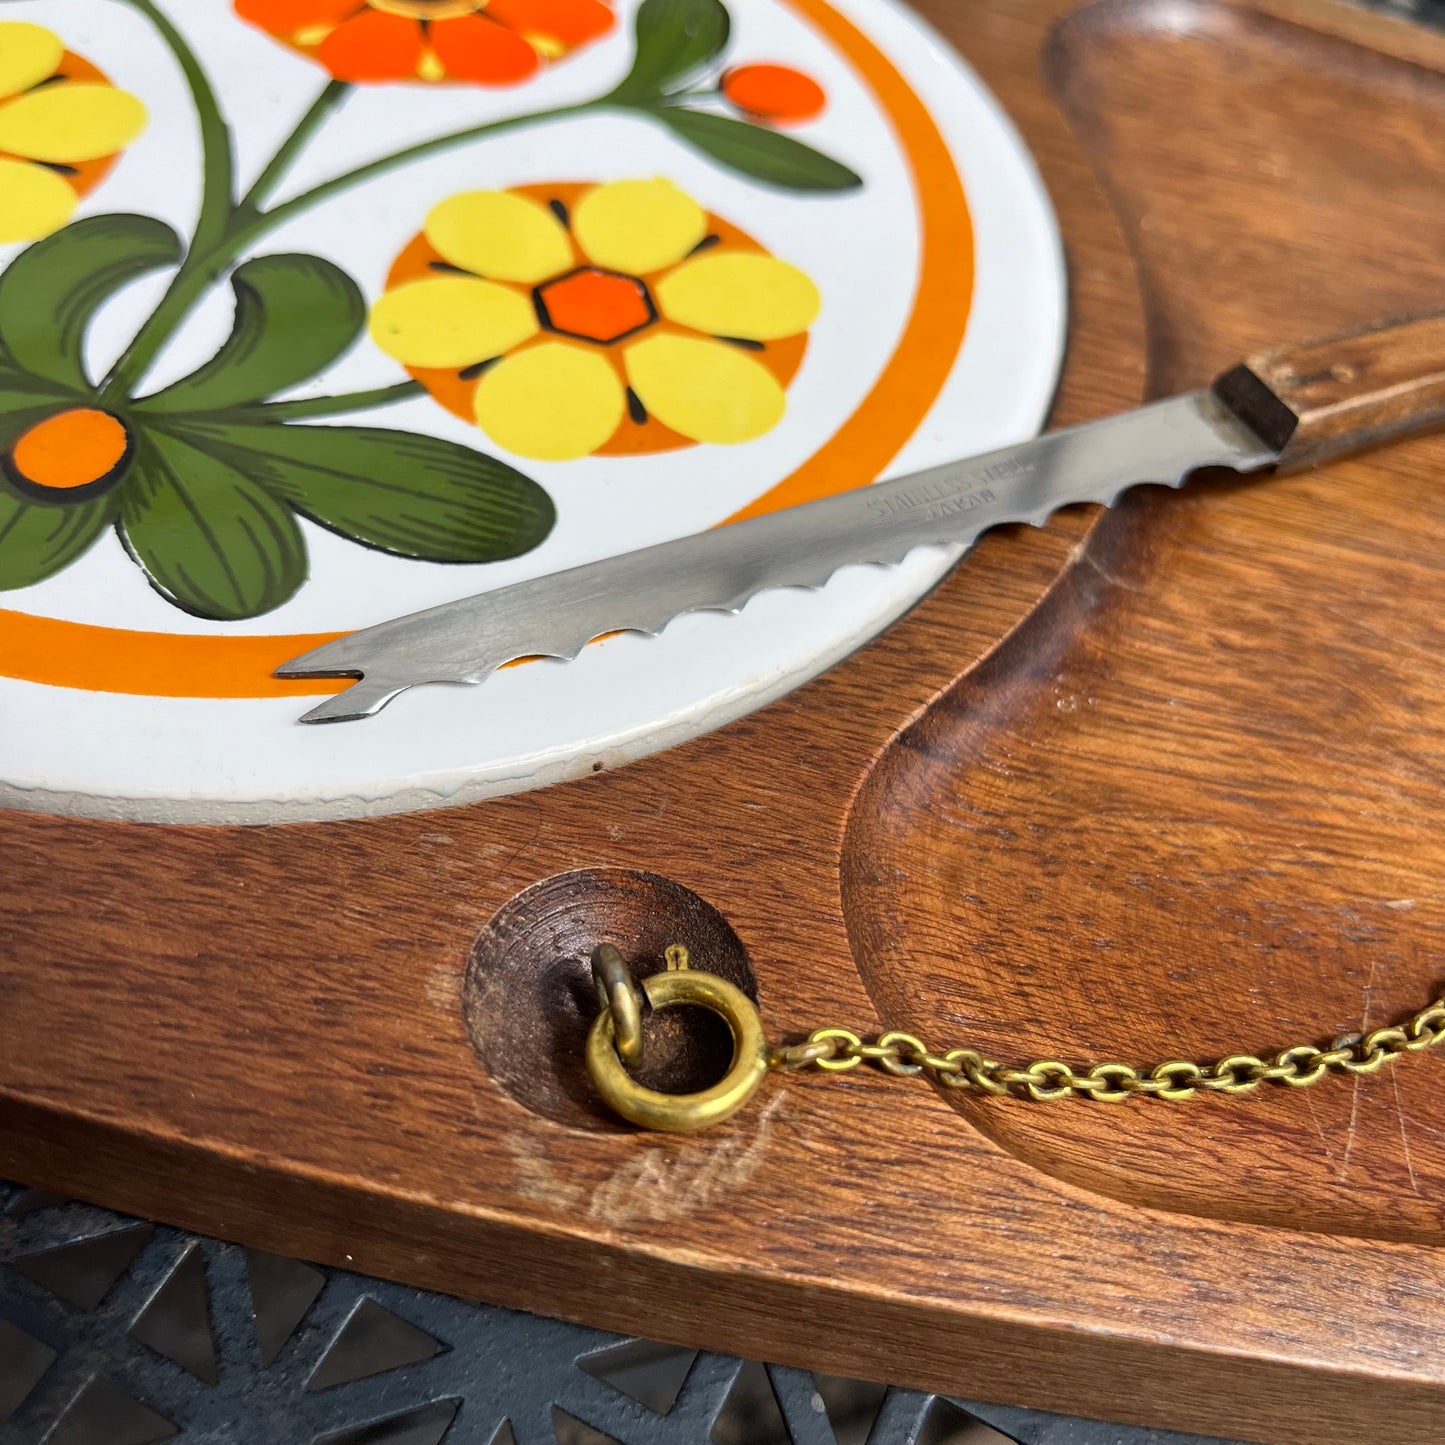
{"x": 111, "y": 753}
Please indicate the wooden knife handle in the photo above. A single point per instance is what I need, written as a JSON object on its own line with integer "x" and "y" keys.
{"x": 1324, "y": 399}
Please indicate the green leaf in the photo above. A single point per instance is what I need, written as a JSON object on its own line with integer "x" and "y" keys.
{"x": 673, "y": 39}
{"x": 37, "y": 541}
{"x": 21, "y": 392}
{"x": 211, "y": 540}
{"x": 415, "y": 496}
{"x": 49, "y": 293}
{"x": 779, "y": 160}
{"x": 294, "y": 316}
{"x": 20, "y": 408}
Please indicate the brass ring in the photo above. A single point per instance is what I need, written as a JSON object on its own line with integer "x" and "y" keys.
{"x": 683, "y": 1113}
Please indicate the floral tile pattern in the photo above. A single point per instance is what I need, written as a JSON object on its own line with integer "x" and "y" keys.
{"x": 201, "y": 481}
{"x": 315, "y": 312}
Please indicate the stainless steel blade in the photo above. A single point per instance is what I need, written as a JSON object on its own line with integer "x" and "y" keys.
{"x": 559, "y": 614}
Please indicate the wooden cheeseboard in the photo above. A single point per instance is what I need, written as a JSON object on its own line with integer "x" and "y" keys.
{"x": 1161, "y": 782}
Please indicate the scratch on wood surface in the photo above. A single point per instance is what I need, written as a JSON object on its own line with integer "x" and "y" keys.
{"x": 1404, "y": 1132}
{"x": 521, "y": 848}
{"x": 444, "y": 988}
{"x": 1084, "y": 553}
{"x": 1394, "y": 640}
{"x": 1355, "y": 1096}
{"x": 1425, "y": 1128}
{"x": 1340, "y": 1173}
{"x": 665, "y": 1183}
{"x": 536, "y": 1179}
{"x": 1350, "y": 1132}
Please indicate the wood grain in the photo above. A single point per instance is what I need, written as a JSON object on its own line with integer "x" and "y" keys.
{"x": 1210, "y": 758}
{"x": 1330, "y": 398}
{"x": 1159, "y": 784}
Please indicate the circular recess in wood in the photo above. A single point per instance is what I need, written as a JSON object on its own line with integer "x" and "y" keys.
{"x": 528, "y": 999}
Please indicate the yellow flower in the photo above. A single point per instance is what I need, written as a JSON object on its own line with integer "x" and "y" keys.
{"x": 567, "y": 320}
{"x": 62, "y": 124}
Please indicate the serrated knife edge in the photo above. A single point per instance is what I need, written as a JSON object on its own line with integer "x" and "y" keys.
{"x": 556, "y": 615}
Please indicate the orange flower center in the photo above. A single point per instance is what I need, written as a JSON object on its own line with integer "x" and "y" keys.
{"x": 429, "y": 9}
{"x": 595, "y": 305}
{"x": 70, "y": 452}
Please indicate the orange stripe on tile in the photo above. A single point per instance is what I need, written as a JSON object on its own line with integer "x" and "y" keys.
{"x": 153, "y": 664}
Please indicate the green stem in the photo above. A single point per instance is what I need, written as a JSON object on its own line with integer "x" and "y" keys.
{"x": 217, "y": 199}
{"x": 330, "y": 98}
{"x": 340, "y": 405}
{"x": 272, "y": 218}
{"x": 197, "y": 275}
{"x": 245, "y": 226}
{"x": 217, "y": 193}
{"x": 201, "y": 270}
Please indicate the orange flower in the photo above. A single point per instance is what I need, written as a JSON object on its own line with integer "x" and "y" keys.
{"x": 573, "y": 320}
{"x": 481, "y": 42}
{"x": 774, "y": 93}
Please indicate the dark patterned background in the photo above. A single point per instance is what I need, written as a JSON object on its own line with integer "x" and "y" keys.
{"x": 118, "y": 1332}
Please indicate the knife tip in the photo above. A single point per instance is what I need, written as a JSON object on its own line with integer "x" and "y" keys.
{"x": 364, "y": 698}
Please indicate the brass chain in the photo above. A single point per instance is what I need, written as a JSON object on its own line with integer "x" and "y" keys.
{"x": 836, "y": 1050}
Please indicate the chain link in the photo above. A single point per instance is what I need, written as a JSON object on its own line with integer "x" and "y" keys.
{"x": 836, "y": 1050}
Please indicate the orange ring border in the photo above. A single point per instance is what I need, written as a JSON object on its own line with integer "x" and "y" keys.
{"x": 92, "y": 658}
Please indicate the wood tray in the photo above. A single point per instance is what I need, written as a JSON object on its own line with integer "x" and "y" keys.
{"x": 1162, "y": 782}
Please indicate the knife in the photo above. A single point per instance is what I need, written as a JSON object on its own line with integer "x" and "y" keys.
{"x": 1287, "y": 409}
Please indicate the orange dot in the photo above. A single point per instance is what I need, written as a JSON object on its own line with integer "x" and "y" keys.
{"x": 596, "y": 305}
{"x": 774, "y": 92}
{"x": 78, "y": 448}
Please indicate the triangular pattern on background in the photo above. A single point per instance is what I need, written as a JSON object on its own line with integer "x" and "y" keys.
{"x": 425, "y": 1425}
{"x": 651, "y": 1374}
{"x": 282, "y": 1290}
{"x": 102, "y": 1414}
{"x": 105, "y": 1377}
{"x": 946, "y": 1424}
{"x": 751, "y": 1415}
{"x": 572, "y": 1431}
{"x": 851, "y": 1406}
{"x": 83, "y": 1273}
{"x": 23, "y": 1360}
{"x": 372, "y": 1341}
{"x": 177, "y": 1321}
